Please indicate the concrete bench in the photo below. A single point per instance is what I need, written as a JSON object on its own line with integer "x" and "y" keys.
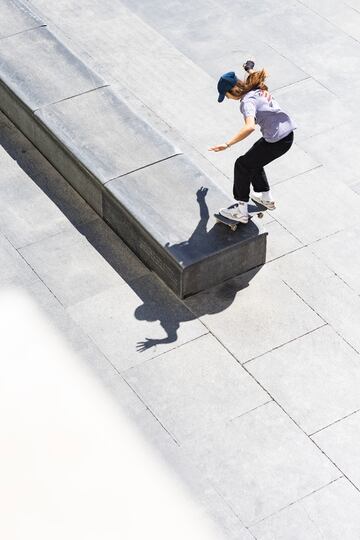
{"x": 152, "y": 195}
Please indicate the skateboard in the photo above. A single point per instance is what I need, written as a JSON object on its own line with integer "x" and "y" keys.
{"x": 255, "y": 209}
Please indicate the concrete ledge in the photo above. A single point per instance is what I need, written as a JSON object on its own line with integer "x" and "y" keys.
{"x": 158, "y": 202}
{"x": 109, "y": 142}
{"x": 40, "y": 70}
{"x": 165, "y": 214}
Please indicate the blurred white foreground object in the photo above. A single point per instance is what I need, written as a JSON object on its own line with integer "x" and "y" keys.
{"x": 71, "y": 465}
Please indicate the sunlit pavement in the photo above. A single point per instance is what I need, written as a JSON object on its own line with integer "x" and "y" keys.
{"x": 128, "y": 410}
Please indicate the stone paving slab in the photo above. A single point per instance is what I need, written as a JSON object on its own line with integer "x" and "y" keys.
{"x": 339, "y": 442}
{"x": 14, "y": 270}
{"x": 19, "y": 195}
{"x": 331, "y": 111}
{"x": 302, "y": 209}
{"x": 131, "y": 325}
{"x": 337, "y": 149}
{"x": 330, "y": 513}
{"x": 18, "y": 18}
{"x": 250, "y": 318}
{"x": 261, "y": 462}
{"x": 314, "y": 386}
{"x": 195, "y": 389}
{"x": 282, "y": 72}
{"x": 60, "y": 321}
{"x": 340, "y": 252}
{"x": 279, "y": 241}
{"x": 333, "y": 300}
{"x": 343, "y": 15}
{"x": 74, "y": 270}
{"x": 109, "y": 142}
{"x": 290, "y": 165}
{"x": 342, "y": 55}
{"x": 309, "y": 31}
{"x": 205, "y": 38}
{"x": 40, "y": 70}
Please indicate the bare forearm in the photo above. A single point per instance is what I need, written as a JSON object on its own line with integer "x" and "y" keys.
{"x": 245, "y": 132}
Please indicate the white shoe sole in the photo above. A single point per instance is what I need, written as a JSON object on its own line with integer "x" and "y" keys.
{"x": 223, "y": 212}
{"x": 264, "y": 203}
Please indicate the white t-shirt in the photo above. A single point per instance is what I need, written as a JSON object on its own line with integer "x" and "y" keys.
{"x": 274, "y": 123}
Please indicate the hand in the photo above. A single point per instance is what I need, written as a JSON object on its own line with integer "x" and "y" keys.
{"x": 201, "y": 193}
{"x": 143, "y": 346}
{"x": 218, "y": 148}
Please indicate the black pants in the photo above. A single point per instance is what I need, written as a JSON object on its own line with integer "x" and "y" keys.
{"x": 249, "y": 168}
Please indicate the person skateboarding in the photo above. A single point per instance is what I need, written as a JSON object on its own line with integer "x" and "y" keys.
{"x": 257, "y": 106}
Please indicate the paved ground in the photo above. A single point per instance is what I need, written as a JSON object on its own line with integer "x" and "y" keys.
{"x": 250, "y": 390}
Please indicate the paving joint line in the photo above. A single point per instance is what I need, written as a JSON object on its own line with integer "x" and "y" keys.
{"x": 338, "y": 28}
{"x": 328, "y": 267}
{"x": 330, "y": 325}
{"x": 24, "y": 31}
{"x": 306, "y": 303}
{"x": 287, "y": 253}
{"x": 284, "y": 411}
{"x": 165, "y": 352}
{"x": 333, "y": 423}
{"x": 65, "y": 231}
{"x": 148, "y": 409}
{"x": 249, "y": 411}
{"x": 286, "y": 343}
{"x": 143, "y": 167}
{"x": 299, "y": 174}
{"x": 296, "y": 501}
{"x": 33, "y": 270}
{"x": 310, "y": 76}
{"x": 91, "y": 90}
{"x": 290, "y": 84}
{"x": 335, "y": 465}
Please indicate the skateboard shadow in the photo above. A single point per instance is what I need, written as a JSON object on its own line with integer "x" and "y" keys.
{"x": 202, "y": 240}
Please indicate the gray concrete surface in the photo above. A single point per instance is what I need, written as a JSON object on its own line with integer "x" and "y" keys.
{"x": 250, "y": 390}
{"x": 18, "y": 17}
{"x": 40, "y": 70}
{"x": 95, "y": 140}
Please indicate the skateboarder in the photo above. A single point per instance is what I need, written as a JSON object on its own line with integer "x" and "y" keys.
{"x": 258, "y": 107}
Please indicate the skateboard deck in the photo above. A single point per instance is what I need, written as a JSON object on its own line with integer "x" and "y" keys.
{"x": 254, "y": 209}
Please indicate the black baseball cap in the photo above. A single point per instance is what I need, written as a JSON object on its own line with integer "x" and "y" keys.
{"x": 226, "y": 82}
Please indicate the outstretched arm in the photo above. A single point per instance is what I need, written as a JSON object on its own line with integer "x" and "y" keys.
{"x": 245, "y": 132}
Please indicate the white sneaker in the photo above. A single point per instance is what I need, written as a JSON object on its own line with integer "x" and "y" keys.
{"x": 237, "y": 212}
{"x": 270, "y": 205}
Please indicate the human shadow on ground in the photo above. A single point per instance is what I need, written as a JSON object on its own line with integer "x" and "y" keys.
{"x": 215, "y": 300}
{"x": 156, "y": 301}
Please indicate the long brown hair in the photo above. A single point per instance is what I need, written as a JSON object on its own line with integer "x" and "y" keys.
{"x": 252, "y": 81}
